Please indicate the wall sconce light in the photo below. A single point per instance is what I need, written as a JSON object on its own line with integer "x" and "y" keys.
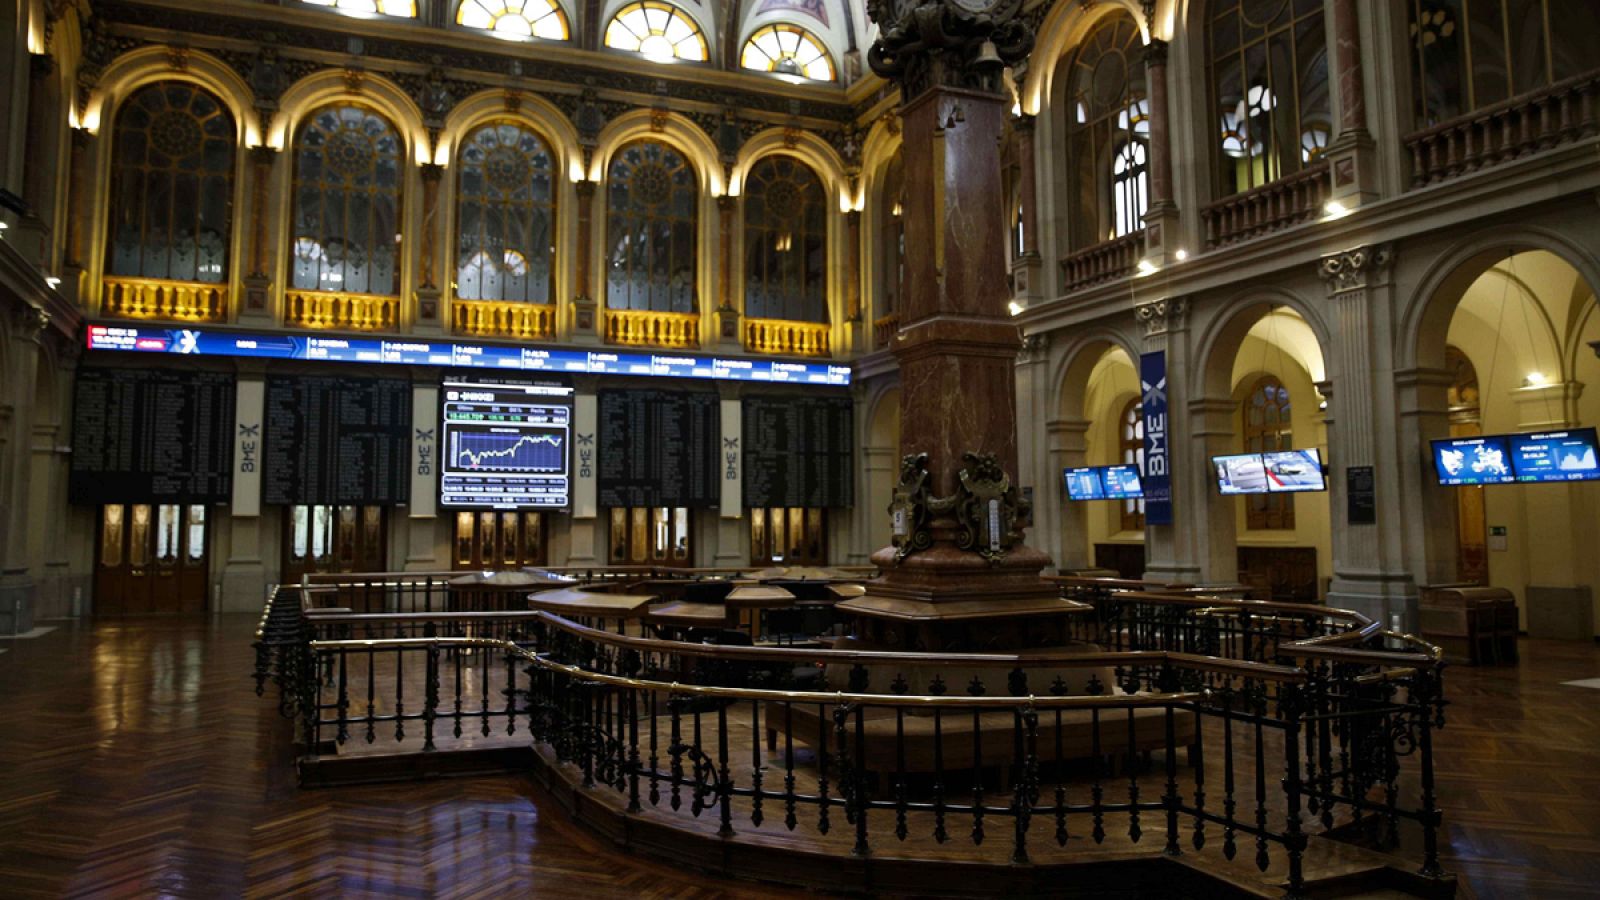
{"x": 1333, "y": 209}
{"x": 1015, "y": 307}
{"x": 1146, "y": 267}
{"x": 1180, "y": 254}
{"x": 53, "y": 281}
{"x": 1535, "y": 379}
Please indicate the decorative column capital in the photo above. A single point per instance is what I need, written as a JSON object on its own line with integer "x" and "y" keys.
{"x": 1155, "y": 52}
{"x": 1356, "y": 268}
{"x": 923, "y": 44}
{"x": 1023, "y": 124}
{"x": 1162, "y": 316}
{"x": 41, "y": 66}
{"x": 585, "y": 188}
{"x": 432, "y": 172}
{"x": 263, "y": 156}
{"x": 1035, "y": 347}
{"x": 726, "y": 203}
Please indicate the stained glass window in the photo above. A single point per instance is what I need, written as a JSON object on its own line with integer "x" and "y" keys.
{"x": 653, "y": 218}
{"x": 171, "y": 185}
{"x": 1131, "y": 444}
{"x": 348, "y": 169}
{"x": 659, "y": 31}
{"x": 785, "y": 242}
{"x": 406, "y": 9}
{"x": 515, "y": 19}
{"x": 1107, "y": 133}
{"x": 1269, "y": 84}
{"x": 505, "y": 215}
{"x": 787, "y": 50}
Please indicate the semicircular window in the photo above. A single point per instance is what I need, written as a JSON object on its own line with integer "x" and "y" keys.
{"x": 652, "y": 224}
{"x": 515, "y": 19}
{"x": 785, "y": 242}
{"x": 659, "y": 31}
{"x": 787, "y": 50}
{"x": 172, "y": 185}
{"x": 405, "y": 9}
{"x": 505, "y": 215}
{"x": 1107, "y": 128}
{"x": 347, "y": 192}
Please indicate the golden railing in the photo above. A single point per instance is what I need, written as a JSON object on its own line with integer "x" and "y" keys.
{"x": 884, "y": 329}
{"x": 157, "y": 298}
{"x": 644, "y": 328}
{"x": 783, "y": 337}
{"x": 353, "y": 312}
{"x": 501, "y": 318}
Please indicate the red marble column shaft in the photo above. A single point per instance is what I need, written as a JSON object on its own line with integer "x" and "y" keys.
{"x": 585, "y": 238}
{"x": 1347, "y": 67}
{"x": 1155, "y": 68}
{"x": 1029, "y": 187}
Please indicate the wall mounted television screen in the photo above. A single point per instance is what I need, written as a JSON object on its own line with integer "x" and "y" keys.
{"x": 1293, "y": 471}
{"x": 1083, "y": 484}
{"x": 1244, "y": 473}
{"x": 1121, "y": 482}
{"x": 1473, "y": 460}
{"x": 504, "y": 443}
{"x": 1555, "y": 456}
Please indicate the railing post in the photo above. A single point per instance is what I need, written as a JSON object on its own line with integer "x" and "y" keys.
{"x": 861, "y": 798}
{"x": 1294, "y": 841}
{"x": 1171, "y": 800}
{"x": 430, "y": 697}
{"x": 1431, "y": 815}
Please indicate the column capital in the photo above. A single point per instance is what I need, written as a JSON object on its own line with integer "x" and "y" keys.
{"x": 1035, "y": 348}
{"x": 263, "y": 155}
{"x": 1023, "y": 124}
{"x": 1355, "y": 269}
{"x": 585, "y": 188}
{"x": 924, "y": 44}
{"x": 727, "y": 203}
{"x": 1155, "y": 52}
{"x": 1162, "y": 316}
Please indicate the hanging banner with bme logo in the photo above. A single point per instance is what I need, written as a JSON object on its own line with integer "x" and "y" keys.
{"x": 1157, "y": 449}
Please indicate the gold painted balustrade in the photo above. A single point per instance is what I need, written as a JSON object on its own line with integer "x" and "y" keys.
{"x": 643, "y": 328}
{"x": 349, "y": 312}
{"x": 884, "y": 329}
{"x": 786, "y": 338}
{"x": 156, "y": 298}
{"x": 500, "y": 318}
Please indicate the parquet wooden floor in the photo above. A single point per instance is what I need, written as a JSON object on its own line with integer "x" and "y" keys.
{"x": 136, "y": 760}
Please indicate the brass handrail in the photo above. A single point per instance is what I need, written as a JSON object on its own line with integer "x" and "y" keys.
{"x": 1049, "y": 701}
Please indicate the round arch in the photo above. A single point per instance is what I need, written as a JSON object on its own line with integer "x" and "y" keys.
{"x": 137, "y": 68}
{"x": 1069, "y": 376}
{"x": 342, "y": 85}
{"x": 704, "y": 18}
{"x": 825, "y": 163}
{"x": 1059, "y": 35}
{"x": 1219, "y": 342}
{"x": 1426, "y": 320}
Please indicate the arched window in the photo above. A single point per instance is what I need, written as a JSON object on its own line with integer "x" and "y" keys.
{"x": 515, "y": 19}
{"x": 1267, "y": 429}
{"x": 1269, "y": 84}
{"x": 659, "y": 31}
{"x": 785, "y": 242}
{"x": 171, "y": 185}
{"x": 348, "y": 165}
{"x": 1107, "y": 129}
{"x": 1470, "y": 54}
{"x": 1132, "y": 446}
{"x": 406, "y": 9}
{"x": 787, "y": 50}
{"x": 652, "y": 229}
{"x": 892, "y": 235}
{"x": 505, "y": 215}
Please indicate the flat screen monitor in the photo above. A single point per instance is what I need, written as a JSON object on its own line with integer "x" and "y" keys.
{"x": 1121, "y": 482}
{"x": 504, "y": 443}
{"x": 1290, "y": 471}
{"x": 1555, "y": 456}
{"x": 1083, "y": 484}
{"x": 1473, "y": 460}
{"x": 1241, "y": 474}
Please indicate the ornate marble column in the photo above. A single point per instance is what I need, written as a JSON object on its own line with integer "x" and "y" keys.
{"x": 33, "y": 235}
{"x": 728, "y": 312}
{"x": 959, "y": 575}
{"x": 17, "y": 583}
{"x": 1161, "y": 216}
{"x": 1351, "y": 155}
{"x": 257, "y": 282}
{"x": 1026, "y": 274}
{"x": 428, "y": 292}
{"x": 80, "y": 210}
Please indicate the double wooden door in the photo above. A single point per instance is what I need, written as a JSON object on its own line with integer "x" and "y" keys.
{"x": 152, "y": 558}
{"x": 321, "y": 538}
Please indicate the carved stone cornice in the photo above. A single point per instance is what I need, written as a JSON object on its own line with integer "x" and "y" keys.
{"x": 1162, "y": 316}
{"x": 1356, "y": 268}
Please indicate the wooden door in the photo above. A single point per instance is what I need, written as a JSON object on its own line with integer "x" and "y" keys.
{"x": 152, "y": 558}
{"x": 792, "y": 536}
{"x": 495, "y": 540}
{"x": 321, "y": 538}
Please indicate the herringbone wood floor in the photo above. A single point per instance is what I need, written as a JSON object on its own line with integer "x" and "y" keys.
{"x": 135, "y": 760}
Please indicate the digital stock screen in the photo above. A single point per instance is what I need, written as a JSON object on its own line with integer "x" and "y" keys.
{"x": 1083, "y": 483}
{"x": 1122, "y": 482}
{"x": 505, "y": 443}
{"x": 1555, "y": 456}
{"x": 1473, "y": 460}
{"x": 1103, "y": 483}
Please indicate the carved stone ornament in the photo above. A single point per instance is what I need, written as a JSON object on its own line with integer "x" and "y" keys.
{"x": 1162, "y": 316}
{"x": 951, "y": 43}
{"x": 1352, "y": 270}
{"x": 989, "y": 508}
{"x": 910, "y": 508}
